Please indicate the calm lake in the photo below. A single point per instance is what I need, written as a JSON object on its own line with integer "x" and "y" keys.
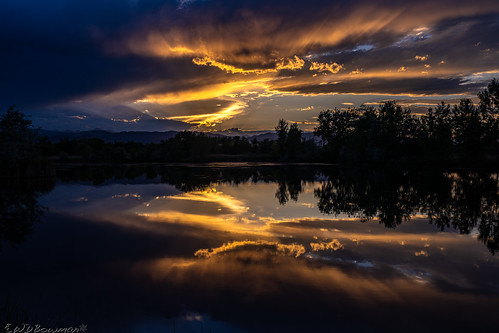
{"x": 251, "y": 248}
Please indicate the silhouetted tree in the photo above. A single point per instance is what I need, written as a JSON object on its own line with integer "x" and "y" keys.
{"x": 282, "y": 135}
{"x": 294, "y": 140}
{"x": 335, "y": 128}
{"x": 468, "y": 130}
{"x": 437, "y": 133}
{"x": 489, "y": 107}
{"x": 19, "y": 144}
{"x": 489, "y": 98}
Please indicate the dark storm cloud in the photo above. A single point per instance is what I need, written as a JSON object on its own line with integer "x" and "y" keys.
{"x": 459, "y": 42}
{"x": 52, "y": 50}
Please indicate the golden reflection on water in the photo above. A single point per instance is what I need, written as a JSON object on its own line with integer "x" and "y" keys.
{"x": 233, "y": 245}
{"x": 210, "y": 209}
{"x": 294, "y": 250}
{"x": 241, "y": 232}
{"x": 252, "y": 214}
{"x": 264, "y": 272}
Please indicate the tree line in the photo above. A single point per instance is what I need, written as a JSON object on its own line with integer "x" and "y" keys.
{"x": 466, "y": 134}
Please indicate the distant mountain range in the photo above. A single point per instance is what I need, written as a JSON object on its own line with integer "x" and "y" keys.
{"x": 152, "y": 137}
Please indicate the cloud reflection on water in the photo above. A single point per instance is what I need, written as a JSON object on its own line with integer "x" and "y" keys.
{"x": 247, "y": 218}
{"x": 226, "y": 251}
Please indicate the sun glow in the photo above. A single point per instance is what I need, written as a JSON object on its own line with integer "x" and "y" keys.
{"x": 216, "y": 90}
{"x": 212, "y": 119}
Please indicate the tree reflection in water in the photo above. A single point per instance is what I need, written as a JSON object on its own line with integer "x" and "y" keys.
{"x": 289, "y": 185}
{"x": 466, "y": 201}
{"x": 19, "y": 207}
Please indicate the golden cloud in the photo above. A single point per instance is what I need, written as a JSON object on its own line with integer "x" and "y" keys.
{"x": 422, "y": 58}
{"x": 290, "y": 63}
{"x": 325, "y": 67}
{"x": 207, "y": 61}
{"x": 211, "y": 119}
{"x": 209, "y": 91}
{"x": 421, "y": 253}
{"x": 259, "y": 45}
{"x": 294, "y": 63}
{"x": 154, "y": 43}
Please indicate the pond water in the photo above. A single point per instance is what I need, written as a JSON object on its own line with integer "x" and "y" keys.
{"x": 241, "y": 248}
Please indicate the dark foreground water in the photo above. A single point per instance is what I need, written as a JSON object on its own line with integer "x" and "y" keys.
{"x": 250, "y": 249}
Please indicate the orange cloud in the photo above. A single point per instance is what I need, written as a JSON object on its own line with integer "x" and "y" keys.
{"x": 207, "y": 91}
{"x": 294, "y": 63}
{"x": 290, "y": 63}
{"x": 264, "y": 37}
{"x": 207, "y": 61}
{"x": 211, "y": 119}
{"x": 422, "y": 58}
{"x": 324, "y": 67}
{"x": 255, "y": 44}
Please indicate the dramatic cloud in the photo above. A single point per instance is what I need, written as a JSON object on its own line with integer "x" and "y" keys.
{"x": 292, "y": 64}
{"x": 320, "y": 67}
{"x": 207, "y": 61}
{"x": 161, "y": 53}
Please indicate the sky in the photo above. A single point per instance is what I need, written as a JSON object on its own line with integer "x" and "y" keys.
{"x": 214, "y": 65}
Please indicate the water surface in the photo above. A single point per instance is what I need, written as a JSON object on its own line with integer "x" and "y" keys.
{"x": 252, "y": 249}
